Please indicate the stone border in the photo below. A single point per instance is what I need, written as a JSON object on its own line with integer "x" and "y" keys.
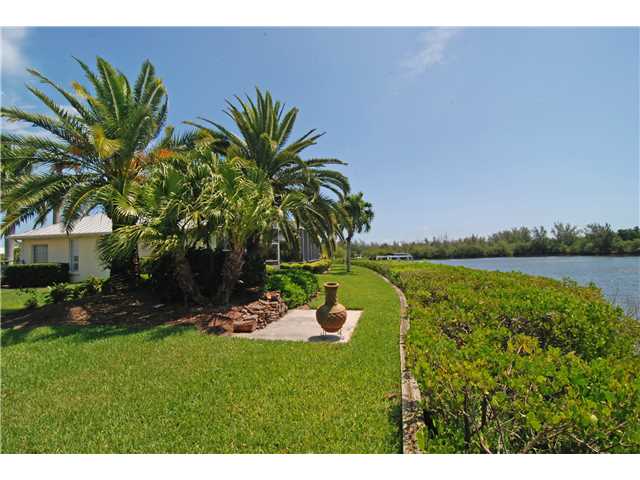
{"x": 412, "y": 420}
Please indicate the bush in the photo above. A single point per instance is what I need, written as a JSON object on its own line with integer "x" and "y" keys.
{"x": 36, "y": 274}
{"x": 296, "y": 286}
{"x": 61, "y": 292}
{"x": 513, "y": 363}
{"x": 319, "y": 266}
{"x": 57, "y": 293}
{"x": 32, "y": 300}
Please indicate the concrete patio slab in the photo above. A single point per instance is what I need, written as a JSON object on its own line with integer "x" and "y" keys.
{"x": 301, "y": 326}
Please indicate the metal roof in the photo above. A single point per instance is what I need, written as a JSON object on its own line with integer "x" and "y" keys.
{"x": 98, "y": 224}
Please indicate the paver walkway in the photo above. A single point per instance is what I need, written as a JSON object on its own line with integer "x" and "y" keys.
{"x": 301, "y": 325}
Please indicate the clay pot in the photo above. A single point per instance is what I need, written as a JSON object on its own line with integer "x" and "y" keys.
{"x": 332, "y": 315}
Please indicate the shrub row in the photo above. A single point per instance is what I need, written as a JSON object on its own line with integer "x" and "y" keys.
{"x": 513, "y": 363}
{"x": 36, "y": 274}
{"x": 319, "y": 266}
{"x": 296, "y": 286}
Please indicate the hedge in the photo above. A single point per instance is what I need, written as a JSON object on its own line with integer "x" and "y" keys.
{"x": 36, "y": 274}
{"x": 510, "y": 363}
{"x": 319, "y": 266}
{"x": 296, "y": 286}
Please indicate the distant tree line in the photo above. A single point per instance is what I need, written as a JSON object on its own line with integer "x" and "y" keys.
{"x": 564, "y": 239}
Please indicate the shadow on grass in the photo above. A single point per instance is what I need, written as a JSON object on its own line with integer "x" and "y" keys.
{"x": 339, "y": 270}
{"x": 90, "y": 333}
{"x": 395, "y": 418}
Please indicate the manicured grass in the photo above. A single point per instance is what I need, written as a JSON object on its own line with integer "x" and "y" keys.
{"x": 172, "y": 389}
{"x": 12, "y": 299}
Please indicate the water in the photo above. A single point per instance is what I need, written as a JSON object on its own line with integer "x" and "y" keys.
{"x": 617, "y": 277}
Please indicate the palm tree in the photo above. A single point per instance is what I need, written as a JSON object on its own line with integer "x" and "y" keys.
{"x": 173, "y": 215}
{"x": 264, "y": 130}
{"x": 243, "y": 199}
{"x": 15, "y": 164}
{"x": 191, "y": 198}
{"x": 94, "y": 151}
{"x": 356, "y": 218}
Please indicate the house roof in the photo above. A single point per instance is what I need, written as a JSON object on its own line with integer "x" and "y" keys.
{"x": 98, "y": 224}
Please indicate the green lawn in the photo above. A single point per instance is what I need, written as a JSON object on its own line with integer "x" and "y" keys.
{"x": 172, "y": 389}
{"x": 12, "y": 299}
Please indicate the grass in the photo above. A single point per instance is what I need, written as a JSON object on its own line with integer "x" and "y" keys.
{"x": 12, "y": 299}
{"x": 172, "y": 389}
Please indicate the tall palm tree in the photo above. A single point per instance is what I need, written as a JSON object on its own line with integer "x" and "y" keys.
{"x": 173, "y": 215}
{"x": 356, "y": 218}
{"x": 245, "y": 202}
{"x": 15, "y": 164}
{"x": 264, "y": 129}
{"x": 94, "y": 150}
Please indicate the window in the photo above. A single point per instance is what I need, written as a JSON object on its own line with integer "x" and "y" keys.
{"x": 40, "y": 253}
{"x": 74, "y": 256}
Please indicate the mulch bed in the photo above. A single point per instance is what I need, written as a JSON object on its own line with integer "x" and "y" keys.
{"x": 248, "y": 311}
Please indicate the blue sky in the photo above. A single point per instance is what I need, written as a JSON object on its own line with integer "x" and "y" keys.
{"x": 447, "y": 131}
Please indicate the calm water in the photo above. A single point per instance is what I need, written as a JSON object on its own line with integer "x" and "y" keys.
{"x": 618, "y": 277}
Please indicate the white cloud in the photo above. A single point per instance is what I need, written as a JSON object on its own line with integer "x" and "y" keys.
{"x": 70, "y": 109}
{"x": 431, "y": 51}
{"x": 13, "y": 59}
{"x": 17, "y": 128}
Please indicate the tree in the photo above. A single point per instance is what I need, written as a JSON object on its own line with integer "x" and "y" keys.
{"x": 95, "y": 149}
{"x": 628, "y": 234}
{"x": 244, "y": 200}
{"x": 191, "y": 199}
{"x": 539, "y": 240}
{"x": 10, "y": 168}
{"x": 356, "y": 218}
{"x": 565, "y": 233}
{"x": 171, "y": 214}
{"x": 264, "y": 129}
{"x": 601, "y": 237}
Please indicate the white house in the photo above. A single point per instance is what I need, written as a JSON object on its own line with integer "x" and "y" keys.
{"x": 395, "y": 256}
{"x": 78, "y": 248}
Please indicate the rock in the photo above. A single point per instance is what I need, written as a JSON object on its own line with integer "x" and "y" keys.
{"x": 244, "y": 318}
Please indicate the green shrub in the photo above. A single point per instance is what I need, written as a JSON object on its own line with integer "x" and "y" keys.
{"x": 57, "y": 293}
{"x": 296, "y": 286}
{"x": 36, "y": 274}
{"x": 319, "y": 266}
{"x": 304, "y": 279}
{"x": 31, "y": 301}
{"x": 513, "y": 363}
{"x": 93, "y": 285}
{"x": 61, "y": 292}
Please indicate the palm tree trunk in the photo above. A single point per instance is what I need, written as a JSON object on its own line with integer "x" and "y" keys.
{"x": 254, "y": 269}
{"x": 57, "y": 218}
{"x": 125, "y": 273}
{"x": 348, "y": 254}
{"x": 231, "y": 271}
{"x": 184, "y": 277}
{"x": 8, "y": 244}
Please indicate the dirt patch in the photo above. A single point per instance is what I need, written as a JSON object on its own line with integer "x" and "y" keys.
{"x": 251, "y": 310}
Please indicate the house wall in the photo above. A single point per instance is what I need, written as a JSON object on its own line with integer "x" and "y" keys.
{"x": 58, "y": 251}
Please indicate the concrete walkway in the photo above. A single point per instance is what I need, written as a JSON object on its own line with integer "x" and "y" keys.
{"x": 301, "y": 326}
